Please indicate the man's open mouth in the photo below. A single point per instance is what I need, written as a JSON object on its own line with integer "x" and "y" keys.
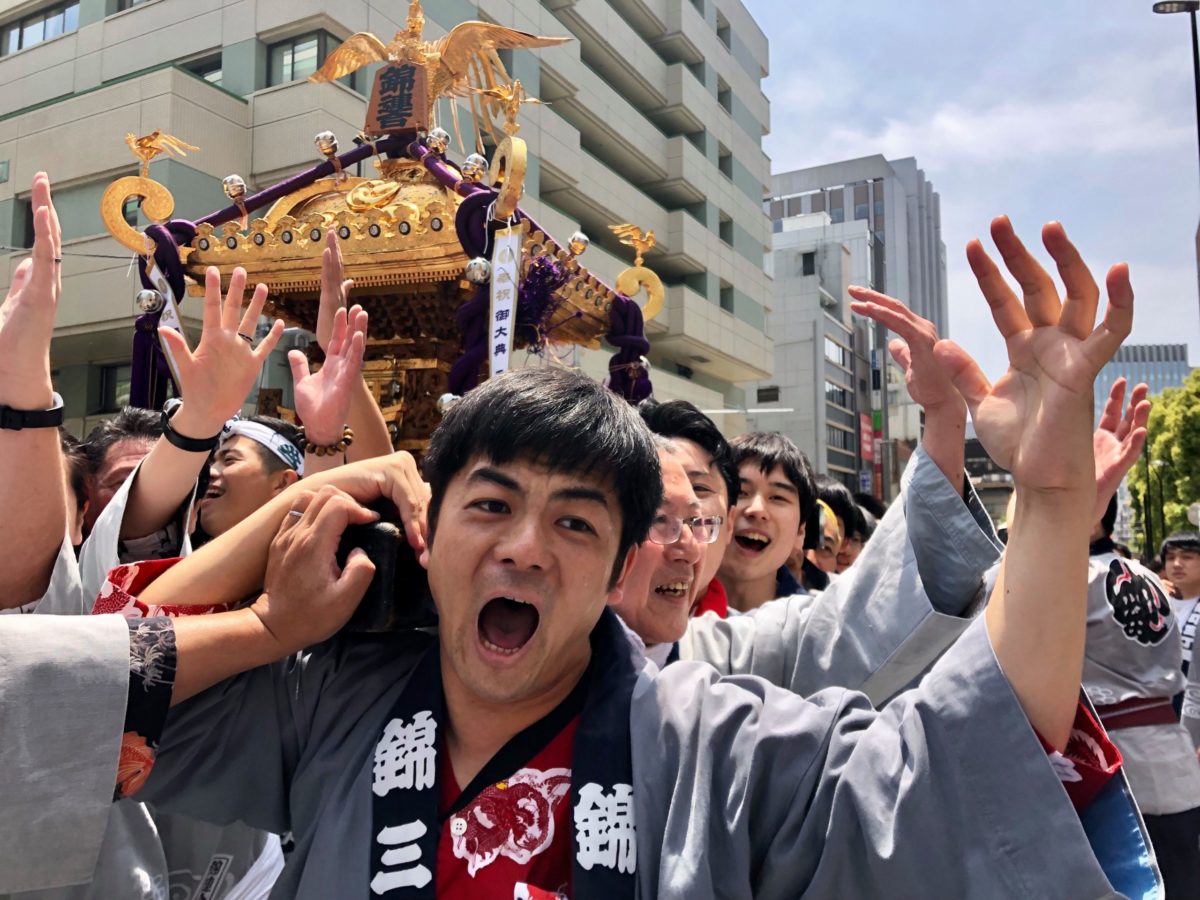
{"x": 212, "y": 493}
{"x": 506, "y": 625}
{"x": 675, "y": 590}
{"x": 754, "y": 541}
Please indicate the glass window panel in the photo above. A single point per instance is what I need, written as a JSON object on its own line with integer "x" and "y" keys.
{"x": 304, "y": 59}
{"x": 71, "y": 18}
{"x": 32, "y": 32}
{"x": 818, "y": 202}
{"x": 776, "y": 209}
{"x": 278, "y": 55}
{"x": 860, "y": 210}
{"x": 12, "y": 39}
{"x": 793, "y": 206}
{"x": 54, "y": 24}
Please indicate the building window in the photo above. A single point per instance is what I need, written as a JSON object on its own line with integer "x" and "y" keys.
{"x": 62, "y": 18}
{"x": 726, "y": 297}
{"x": 725, "y": 96}
{"x": 793, "y": 207}
{"x": 723, "y": 33}
{"x": 837, "y": 395}
{"x": 114, "y": 387}
{"x": 296, "y": 58}
{"x": 776, "y": 209}
{"x": 817, "y": 202}
{"x": 768, "y": 394}
{"x": 808, "y": 263}
{"x": 23, "y": 224}
{"x": 725, "y": 229}
{"x": 725, "y": 161}
{"x": 209, "y": 69}
{"x": 129, "y": 4}
{"x": 129, "y": 211}
{"x": 836, "y": 437}
{"x": 837, "y": 354}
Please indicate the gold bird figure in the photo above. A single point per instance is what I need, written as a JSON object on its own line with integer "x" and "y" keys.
{"x": 632, "y": 236}
{"x": 148, "y": 146}
{"x": 509, "y": 98}
{"x": 459, "y": 64}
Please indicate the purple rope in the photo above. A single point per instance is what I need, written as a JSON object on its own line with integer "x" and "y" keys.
{"x": 471, "y": 318}
{"x": 626, "y": 375}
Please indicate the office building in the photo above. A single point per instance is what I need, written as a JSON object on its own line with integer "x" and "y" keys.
{"x": 654, "y": 115}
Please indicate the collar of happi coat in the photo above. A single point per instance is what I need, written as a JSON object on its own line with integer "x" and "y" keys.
{"x": 407, "y": 826}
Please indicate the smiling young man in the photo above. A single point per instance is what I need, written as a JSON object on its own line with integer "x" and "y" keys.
{"x": 775, "y": 501}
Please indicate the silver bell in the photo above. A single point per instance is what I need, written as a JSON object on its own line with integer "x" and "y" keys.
{"x": 446, "y": 401}
{"x": 438, "y": 140}
{"x": 326, "y": 142}
{"x": 149, "y": 301}
{"x": 474, "y": 167}
{"x": 235, "y": 186}
{"x": 478, "y": 271}
{"x": 579, "y": 243}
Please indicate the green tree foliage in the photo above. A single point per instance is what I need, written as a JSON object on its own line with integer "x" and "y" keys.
{"x": 1164, "y": 489}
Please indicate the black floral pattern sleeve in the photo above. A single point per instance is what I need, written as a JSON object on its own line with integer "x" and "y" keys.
{"x": 151, "y": 680}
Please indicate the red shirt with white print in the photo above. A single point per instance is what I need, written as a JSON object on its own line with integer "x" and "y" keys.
{"x": 513, "y": 839}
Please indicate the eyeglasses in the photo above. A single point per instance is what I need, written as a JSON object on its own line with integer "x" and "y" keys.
{"x": 666, "y": 530}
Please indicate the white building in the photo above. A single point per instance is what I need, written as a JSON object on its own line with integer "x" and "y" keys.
{"x": 655, "y": 116}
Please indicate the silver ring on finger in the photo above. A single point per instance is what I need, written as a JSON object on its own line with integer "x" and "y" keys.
{"x": 298, "y": 513}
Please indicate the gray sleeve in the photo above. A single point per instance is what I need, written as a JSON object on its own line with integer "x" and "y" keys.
{"x": 752, "y": 791}
{"x": 886, "y": 619}
{"x": 1191, "y": 702}
{"x": 228, "y": 754}
{"x": 63, "y": 687}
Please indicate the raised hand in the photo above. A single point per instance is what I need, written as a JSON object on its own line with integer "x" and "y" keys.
{"x": 1036, "y": 420}
{"x": 928, "y": 382}
{"x": 307, "y": 596}
{"x": 215, "y": 379}
{"x": 323, "y": 398}
{"x": 27, "y": 314}
{"x": 1118, "y": 440}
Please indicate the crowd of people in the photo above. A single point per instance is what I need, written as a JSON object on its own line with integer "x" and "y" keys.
{"x": 664, "y": 663}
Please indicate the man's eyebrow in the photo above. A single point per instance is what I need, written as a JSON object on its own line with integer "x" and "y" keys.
{"x": 494, "y": 476}
{"x": 581, "y": 493}
{"x": 785, "y": 486}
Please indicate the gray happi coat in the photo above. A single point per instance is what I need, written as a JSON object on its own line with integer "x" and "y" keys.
{"x": 146, "y": 854}
{"x": 63, "y": 687}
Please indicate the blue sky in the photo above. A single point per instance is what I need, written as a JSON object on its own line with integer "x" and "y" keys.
{"x": 1077, "y": 111}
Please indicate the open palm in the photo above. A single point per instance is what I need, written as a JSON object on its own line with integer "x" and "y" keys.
{"x": 323, "y": 398}
{"x": 1036, "y": 420}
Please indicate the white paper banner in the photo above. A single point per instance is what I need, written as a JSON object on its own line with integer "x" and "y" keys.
{"x": 506, "y": 259}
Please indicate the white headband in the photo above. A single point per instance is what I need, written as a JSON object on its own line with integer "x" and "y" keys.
{"x": 268, "y": 437}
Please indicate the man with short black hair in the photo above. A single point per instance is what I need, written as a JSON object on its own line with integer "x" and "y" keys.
{"x": 114, "y": 448}
{"x": 1180, "y": 557}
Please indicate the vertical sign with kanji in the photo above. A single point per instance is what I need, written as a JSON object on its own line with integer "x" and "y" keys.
{"x": 400, "y": 101}
{"x": 170, "y": 313}
{"x": 506, "y": 273}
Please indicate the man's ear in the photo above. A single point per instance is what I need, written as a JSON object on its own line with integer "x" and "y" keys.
{"x": 618, "y": 590}
{"x": 285, "y": 479}
{"x": 800, "y": 535}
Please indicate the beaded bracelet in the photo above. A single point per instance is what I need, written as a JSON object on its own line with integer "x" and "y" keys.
{"x": 328, "y": 449}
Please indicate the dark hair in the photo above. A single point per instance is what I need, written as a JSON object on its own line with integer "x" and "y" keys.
{"x": 841, "y": 501}
{"x": 1180, "y": 540}
{"x": 680, "y": 419}
{"x": 558, "y": 419}
{"x": 131, "y": 422}
{"x": 770, "y": 449}
{"x": 871, "y": 504}
{"x": 77, "y": 466}
{"x": 271, "y": 460}
{"x": 1108, "y": 521}
{"x": 1123, "y": 550}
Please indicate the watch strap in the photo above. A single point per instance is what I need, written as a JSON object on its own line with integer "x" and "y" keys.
{"x": 19, "y": 419}
{"x": 183, "y": 442}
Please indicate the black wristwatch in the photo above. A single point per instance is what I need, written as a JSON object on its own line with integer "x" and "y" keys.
{"x": 187, "y": 444}
{"x": 18, "y": 419}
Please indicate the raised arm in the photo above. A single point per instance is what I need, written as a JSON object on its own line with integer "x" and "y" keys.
{"x": 233, "y": 566}
{"x": 1036, "y": 421}
{"x": 371, "y": 436}
{"x": 32, "y": 495}
{"x": 213, "y": 383}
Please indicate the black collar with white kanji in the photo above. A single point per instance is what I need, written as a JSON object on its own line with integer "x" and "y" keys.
{"x": 406, "y": 824}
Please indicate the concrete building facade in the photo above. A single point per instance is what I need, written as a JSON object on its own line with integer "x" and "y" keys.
{"x": 903, "y": 255}
{"x": 655, "y": 115}
{"x": 822, "y": 372}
